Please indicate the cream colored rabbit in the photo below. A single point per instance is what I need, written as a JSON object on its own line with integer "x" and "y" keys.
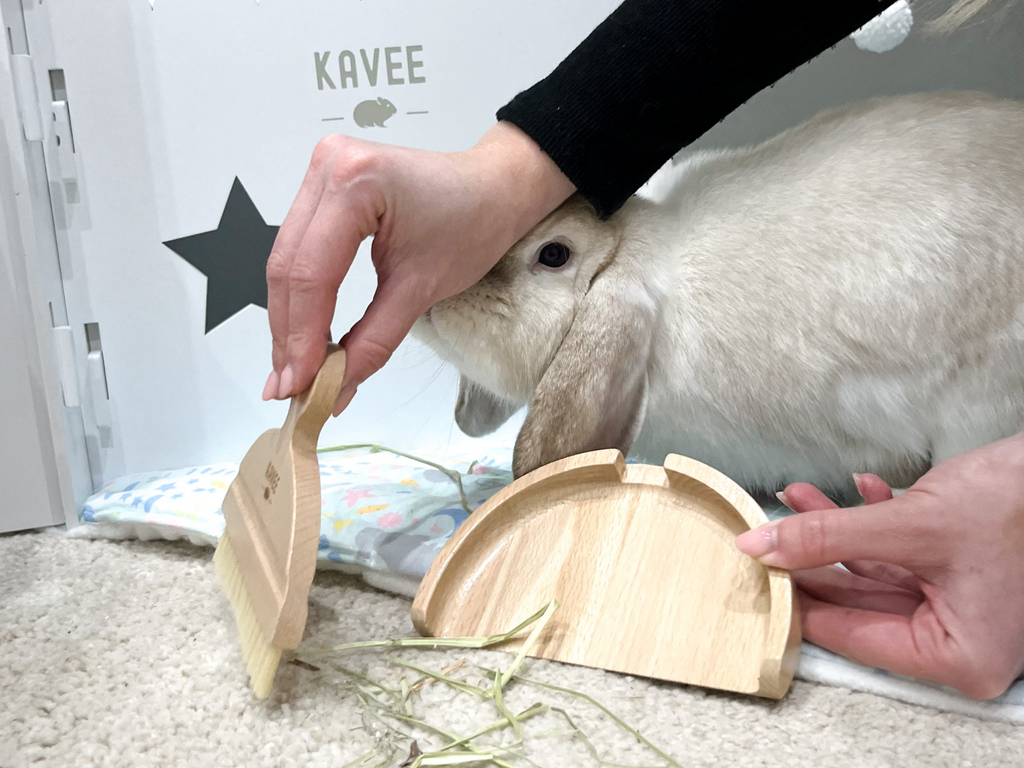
{"x": 846, "y": 297}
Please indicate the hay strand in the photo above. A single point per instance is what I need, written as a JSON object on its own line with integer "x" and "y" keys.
{"x": 382, "y": 703}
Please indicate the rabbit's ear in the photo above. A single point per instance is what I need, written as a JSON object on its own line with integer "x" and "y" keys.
{"x": 594, "y": 393}
{"x": 479, "y": 412}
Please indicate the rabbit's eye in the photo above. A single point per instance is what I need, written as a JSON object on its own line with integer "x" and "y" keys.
{"x": 553, "y": 255}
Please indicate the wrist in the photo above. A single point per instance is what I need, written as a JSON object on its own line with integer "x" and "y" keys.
{"x": 521, "y": 178}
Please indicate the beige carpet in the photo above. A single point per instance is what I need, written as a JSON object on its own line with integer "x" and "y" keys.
{"x": 122, "y": 654}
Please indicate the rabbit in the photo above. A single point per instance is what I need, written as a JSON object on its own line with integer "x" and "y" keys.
{"x": 845, "y": 297}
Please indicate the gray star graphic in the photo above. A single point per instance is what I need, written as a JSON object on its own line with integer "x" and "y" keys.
{"x": 233, "y": 257}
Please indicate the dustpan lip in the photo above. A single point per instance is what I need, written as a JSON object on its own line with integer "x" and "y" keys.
{"x": 435, "y": 574}
{"x": 744, "y": 504}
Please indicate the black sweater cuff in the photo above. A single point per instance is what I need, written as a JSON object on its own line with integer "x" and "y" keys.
{"x": 656, "y": 75}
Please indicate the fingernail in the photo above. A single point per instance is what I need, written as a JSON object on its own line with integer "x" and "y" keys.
{"x": 287, "y": 382}
{"x": 760, "y": 541}
{"x": 344, "y": 398}
{"x": 781, "y": 496}
{"x": 270, "y": 388}
{"x": 857, "y": 481}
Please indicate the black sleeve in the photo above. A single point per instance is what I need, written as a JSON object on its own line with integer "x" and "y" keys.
{"x": 657, "y": 74}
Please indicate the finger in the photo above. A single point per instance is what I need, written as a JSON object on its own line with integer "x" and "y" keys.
{"x": 916, "y": 647}
{"x": 279, "y": 265}
{"x": 803, "y": 497}
{"x": 344, "y": 398}
{"x": 329, "y": 246}
{"x": 397, "y": 304}
{"x": 838, "y": 587}
{"x": 885, "y": 573}
{"x": 890, "y": 532}
{"x": 872, "y": 488}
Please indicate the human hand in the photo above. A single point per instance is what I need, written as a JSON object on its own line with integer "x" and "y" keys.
{"x": 439, "y": 221}
{"x": 936, "y": 582}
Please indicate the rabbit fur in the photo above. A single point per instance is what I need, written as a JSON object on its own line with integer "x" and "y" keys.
{"x": 845, "y": 297}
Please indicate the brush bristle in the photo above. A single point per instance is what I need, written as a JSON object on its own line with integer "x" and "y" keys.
{"x": 261, "y": 658}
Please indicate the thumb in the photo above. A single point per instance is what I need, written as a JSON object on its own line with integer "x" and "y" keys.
{"x": 370, "y": 343}
{"x": 897, "y": 531}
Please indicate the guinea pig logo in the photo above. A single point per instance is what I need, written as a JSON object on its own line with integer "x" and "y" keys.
{"x": 369, "y": 114}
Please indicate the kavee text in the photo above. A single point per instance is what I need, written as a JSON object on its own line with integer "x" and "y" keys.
{"x": 400, "y": 65}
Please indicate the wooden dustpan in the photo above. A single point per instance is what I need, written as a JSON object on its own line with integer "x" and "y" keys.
{"x": 642, "y": 562}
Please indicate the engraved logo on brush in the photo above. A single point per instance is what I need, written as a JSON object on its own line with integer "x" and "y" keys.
{"x": 273, "y": 478}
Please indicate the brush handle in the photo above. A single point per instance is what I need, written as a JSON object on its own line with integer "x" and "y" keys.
{"x": 310, "y": 410}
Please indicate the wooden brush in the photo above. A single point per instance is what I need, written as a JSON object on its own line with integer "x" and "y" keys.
{"x": 267, "y": 555}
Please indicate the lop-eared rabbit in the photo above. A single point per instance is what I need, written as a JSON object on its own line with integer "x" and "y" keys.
{"x": 845, "y": 297}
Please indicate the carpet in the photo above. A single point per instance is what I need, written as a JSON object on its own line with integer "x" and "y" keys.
{"x": 124, "y": 654}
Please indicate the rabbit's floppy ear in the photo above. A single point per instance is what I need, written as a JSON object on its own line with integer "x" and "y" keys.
{"x": 479, "y": 412}
{"x": 593, "y": 395}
